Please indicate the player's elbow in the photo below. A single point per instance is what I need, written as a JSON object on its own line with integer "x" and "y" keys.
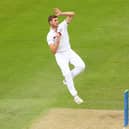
{"x": 53, "y": 52}
{"x": 53, "y": 48}
{"x": 73, "y": 13}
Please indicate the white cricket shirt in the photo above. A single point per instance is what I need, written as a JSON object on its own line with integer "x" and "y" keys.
{"x": 64, "y": 44}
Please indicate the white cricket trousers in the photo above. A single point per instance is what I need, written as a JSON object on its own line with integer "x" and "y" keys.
{"x": 63, "y": 60}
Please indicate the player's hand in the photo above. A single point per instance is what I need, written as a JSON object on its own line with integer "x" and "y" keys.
{"x": 57, "y": 11}
{"x": 58, "y": 35}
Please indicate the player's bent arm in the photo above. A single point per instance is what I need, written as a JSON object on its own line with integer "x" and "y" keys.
{"x": 54, "y": 47}
{"x": 69, "y": 15}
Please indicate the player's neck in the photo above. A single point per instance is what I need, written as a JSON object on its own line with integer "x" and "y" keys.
{"x": 54, "y": 28}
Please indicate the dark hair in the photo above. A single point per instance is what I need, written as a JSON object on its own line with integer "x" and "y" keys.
{"x": 51, "y": 17}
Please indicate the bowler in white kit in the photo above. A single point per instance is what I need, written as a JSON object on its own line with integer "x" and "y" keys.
{"x": 59, "y": 43}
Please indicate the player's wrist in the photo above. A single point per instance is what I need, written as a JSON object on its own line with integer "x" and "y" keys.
{"x": 57, "y": 12}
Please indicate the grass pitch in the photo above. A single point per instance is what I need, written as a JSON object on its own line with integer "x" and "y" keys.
{"x": 30, "y": 81}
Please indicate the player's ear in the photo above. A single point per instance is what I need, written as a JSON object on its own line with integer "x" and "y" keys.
{"x": 50, "y": 22}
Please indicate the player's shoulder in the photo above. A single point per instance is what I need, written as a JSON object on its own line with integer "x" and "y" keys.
{"x": 50, "y": 33}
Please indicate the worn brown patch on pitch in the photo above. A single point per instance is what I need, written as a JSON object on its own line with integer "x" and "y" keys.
{"x": 80, "y": 119}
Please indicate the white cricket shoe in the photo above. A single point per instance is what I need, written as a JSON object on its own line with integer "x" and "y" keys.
{"x": 78, "y": 100}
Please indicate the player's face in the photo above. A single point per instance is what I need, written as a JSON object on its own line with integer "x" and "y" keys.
{"x": 54, "y": 22}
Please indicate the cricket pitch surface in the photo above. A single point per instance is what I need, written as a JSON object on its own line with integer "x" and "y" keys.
{"x": 79, "y": 119}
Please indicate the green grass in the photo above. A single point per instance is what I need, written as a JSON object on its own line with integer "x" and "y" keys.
{"x": 30, "y": 81}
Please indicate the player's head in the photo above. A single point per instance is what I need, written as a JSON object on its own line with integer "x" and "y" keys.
{"x": 53, "y": 21}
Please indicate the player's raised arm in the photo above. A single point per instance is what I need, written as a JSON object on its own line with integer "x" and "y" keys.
{"x": 69, "y": 15}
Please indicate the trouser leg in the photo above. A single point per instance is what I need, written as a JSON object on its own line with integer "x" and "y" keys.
{"x": 78, "y": 63}
{"x": 63, "y": 63}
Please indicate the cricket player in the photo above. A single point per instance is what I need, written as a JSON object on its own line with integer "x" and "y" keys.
{"x": 59, "y": 43}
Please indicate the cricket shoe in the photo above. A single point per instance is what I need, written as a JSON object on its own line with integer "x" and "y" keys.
{"x": 78, "y": 100}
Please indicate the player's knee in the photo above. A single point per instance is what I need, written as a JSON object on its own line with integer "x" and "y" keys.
{"x": 82, "y": 67}
{"x": 68, "y": 76}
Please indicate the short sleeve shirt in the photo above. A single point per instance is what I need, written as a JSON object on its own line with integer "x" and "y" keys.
{"x": 64, "y": 42}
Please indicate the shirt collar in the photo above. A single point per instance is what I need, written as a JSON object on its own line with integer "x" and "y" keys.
{"x": 53, "y": 30}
